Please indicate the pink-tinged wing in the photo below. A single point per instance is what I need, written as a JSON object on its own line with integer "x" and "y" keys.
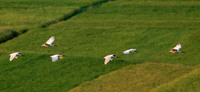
{"x": 107, "y": 59}
{"x": 178, "y": 46}
{"x": 12, "y": 56}
{"x": 51, "y": 40}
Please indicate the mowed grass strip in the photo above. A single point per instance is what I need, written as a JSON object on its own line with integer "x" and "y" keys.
{"x": 134, "y": 78}
{"x": 187, "y": 83}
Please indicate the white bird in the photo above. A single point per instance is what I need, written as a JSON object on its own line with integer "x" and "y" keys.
{"x": 109, "y": 58}
{"x": 49, "y": 42}
{"x": 129, "y": 51}
{"x": 176, "y": 49}
{"x": 14, "y": 55}
{"x": 55, "y": 57}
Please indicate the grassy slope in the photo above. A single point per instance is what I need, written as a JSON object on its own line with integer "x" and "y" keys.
{"x": 101, "y": 31}
{"x": 28, "y": 14}
{"x": 187, "y": 83}
{"x": 153, "y": 27}
{"x": 160, "y": 31}
{"x": 134, "y": 78}
{"x": 36, "y": 72}
{"x": 7, "y": 34}
{"x": 36, "y": 12}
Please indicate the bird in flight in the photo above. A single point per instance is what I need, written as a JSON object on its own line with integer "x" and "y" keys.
{"x": 129, "y": 51}
{"x": 49, "y": 42}
{"x": 14, "y": 55}
{"x": 55, "y": 57}
{"x": 176, "y": 49}
{"x": 109, "y": 58}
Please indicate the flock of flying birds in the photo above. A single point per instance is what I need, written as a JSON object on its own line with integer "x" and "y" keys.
{"x": 47, "y": 44}
{"x": 107, "y": 58}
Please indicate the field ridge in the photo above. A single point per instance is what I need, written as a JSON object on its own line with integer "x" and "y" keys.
{"x": 9, "y": 34}
{"x": 64, "y": 18}
{"x": 75, "y": 12}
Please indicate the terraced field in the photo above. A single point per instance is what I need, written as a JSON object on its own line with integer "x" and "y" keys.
{"x": 152, "y": 27}
{"x": 24, "y": 15}
{"x": 30, "y": 13}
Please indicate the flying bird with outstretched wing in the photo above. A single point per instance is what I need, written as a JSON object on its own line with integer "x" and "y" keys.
{"x": 55, "y": 57}
{"x": 129, "y": 51}
{"x": 14, "y": 55}
{"x": 49, "y": 42}
{"x": 109, "y": 58}
{"x": 176, "y": 49}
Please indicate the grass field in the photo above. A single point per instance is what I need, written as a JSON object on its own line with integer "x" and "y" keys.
{"x": 152, "y": 27}
{"x": 29, "y": 14}
{"x": 134, "y": 78}
{"x": 187, "y": 83}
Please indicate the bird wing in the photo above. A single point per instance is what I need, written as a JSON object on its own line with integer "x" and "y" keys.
{"x": 51, "y": 40}
{"x": 12, "y": 56}
{"x": 178, "y": 46}
{"x": 107, "y": 59}
{"x": 54, "y": 58}
{"x": 133, "y": 50}
{"x": 126, "y": 52}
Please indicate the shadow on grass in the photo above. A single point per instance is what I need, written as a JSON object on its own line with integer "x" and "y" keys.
{"x": 8, "y": 34}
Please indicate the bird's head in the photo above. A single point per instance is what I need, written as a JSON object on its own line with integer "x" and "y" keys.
{"x": 115, "y": 56}
{"x": 20, "y": 54}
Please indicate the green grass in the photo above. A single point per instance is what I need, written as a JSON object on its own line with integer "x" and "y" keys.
{"x": 7, "y": 34}
{"x": 134, "y": 78}
{"x": 29, "y": 14}
{"x": 187, "y": 83}
{"x": 100, "y": 31}
{"x": 36, "y": 72}
{"x": 152, "y": 27}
